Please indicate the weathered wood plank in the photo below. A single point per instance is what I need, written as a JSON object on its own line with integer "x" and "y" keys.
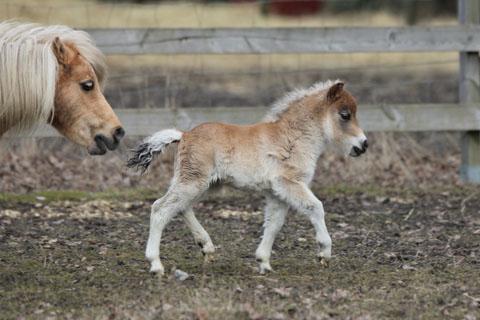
{"x": 469, "y": 14}
{"x": 287, "y": 40}
{"x": 410, "y": 117}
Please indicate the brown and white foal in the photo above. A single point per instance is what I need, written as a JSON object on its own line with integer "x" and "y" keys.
{"x": 277, "y": 156}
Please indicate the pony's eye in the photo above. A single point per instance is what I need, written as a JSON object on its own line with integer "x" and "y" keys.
{"x": 87, "y": 85}
{"x": 345, "y": 115}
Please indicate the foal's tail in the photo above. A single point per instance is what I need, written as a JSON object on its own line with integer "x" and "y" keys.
{"x": 143, "y": 154}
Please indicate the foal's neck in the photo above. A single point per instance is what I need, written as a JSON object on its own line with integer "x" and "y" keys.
{"x": 304, "y": 123}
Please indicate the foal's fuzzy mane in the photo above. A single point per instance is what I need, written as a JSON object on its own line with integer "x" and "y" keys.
{"x": 29, "y": 69}
{"x": 281, "y": 105}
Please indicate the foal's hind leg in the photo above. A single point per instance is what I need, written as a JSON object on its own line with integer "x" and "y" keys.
{"x": 178, "y": 199}
{"x": 202, "y": 238}
{"x": 275, "y": 212}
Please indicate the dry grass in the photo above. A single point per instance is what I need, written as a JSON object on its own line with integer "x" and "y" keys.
{"x": 394, "y": 160}
{"x": 398, "y": 254}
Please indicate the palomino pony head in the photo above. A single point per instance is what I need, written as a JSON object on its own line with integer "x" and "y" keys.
{"x": 82, "y": 113}
{"x": 55, "y": 74}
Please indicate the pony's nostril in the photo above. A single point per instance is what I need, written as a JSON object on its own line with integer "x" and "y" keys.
{"x": 119, "y": 133}
{"x": 365, "y": 145}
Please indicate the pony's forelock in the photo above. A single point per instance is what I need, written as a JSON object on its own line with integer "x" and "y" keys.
{"x": 29, "y": 71}
{"x": 281, "y": 105}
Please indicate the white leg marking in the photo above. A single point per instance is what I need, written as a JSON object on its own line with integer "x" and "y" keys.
{"x": 302, "y": 199}
{"x": 275, "y": 212}
{"x": 201, "y": 236}
{"x": 177, "y": 199}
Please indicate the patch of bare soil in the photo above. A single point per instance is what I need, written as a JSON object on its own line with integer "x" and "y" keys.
{"x": 397, "y": 254}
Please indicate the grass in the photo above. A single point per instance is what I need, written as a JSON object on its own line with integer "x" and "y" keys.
{"x": 216, "y": 193}
{"x": 79, "y": 266}
{"x": 48, "y": 196}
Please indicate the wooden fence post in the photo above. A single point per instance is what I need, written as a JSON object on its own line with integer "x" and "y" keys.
{"x": 469, "y": 93}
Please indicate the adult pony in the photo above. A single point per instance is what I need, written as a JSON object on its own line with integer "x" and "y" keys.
{"x": 54, "y": 74}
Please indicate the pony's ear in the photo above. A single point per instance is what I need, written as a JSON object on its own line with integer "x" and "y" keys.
{"x": 334, "y": 92}
{"x": 63, "y": 53}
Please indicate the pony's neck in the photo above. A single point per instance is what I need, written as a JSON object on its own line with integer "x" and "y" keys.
{"x": 307, "y": 123}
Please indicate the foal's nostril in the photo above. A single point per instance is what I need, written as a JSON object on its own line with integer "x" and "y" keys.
{"x": 119, "y": 133}
{"x": 365, "y": 145}
{"x": 99, "y": 138}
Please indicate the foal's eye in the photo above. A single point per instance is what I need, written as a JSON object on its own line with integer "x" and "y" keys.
{"x": 345, "y": 115}
{"x": 87, "y": 85}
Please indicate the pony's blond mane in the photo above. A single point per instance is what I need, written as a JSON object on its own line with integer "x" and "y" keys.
{"x": 29, "y": 69}
{"x": 281, "y": 105}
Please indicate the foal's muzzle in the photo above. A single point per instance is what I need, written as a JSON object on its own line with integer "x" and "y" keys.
{"x": 357, "y": 151}
{"x": 102, "y": 143}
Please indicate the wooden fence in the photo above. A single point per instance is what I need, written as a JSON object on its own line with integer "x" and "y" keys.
{"x": 464, "y": 38}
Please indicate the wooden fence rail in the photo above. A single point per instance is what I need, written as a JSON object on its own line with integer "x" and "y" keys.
{"x": 287, "y": 40}
{"x": 373, "y": 118}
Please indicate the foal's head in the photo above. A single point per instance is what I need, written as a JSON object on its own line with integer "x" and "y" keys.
{"x": 81, "y": 112}
{"x": 341, "y": 122}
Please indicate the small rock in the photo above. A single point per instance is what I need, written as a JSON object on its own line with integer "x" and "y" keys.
{"x": 10, "y": 213}
{"x": 278, "y": 316}
{"x": 339, "y": 294}
{"x": 201, "y": 314}
{"x": 167, "y": 307}
{"x": 282, "y": 292}
{"x": 181, "y": 275}
{"x": 301, "y": 239}
{"x": 408, "y": 267}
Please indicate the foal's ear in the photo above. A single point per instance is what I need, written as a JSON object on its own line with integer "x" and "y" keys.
{"x": 63, "y": 53}
{"x": 334, "y": 92}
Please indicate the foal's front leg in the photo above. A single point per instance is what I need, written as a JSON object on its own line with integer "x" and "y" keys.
{"x": 299, "y": 196}
{"x": 275, "y": 212}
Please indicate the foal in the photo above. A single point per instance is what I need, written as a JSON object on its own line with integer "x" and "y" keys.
{"x": 277, "y": 156}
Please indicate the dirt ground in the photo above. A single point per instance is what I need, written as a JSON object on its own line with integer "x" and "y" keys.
{"x": 398, "y": 254}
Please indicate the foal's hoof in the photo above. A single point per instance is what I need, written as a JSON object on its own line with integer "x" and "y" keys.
{"x": 265, "y": 268}
{"x": 208, "y": 258}
{"x": 208, "y": 248}
{"x": 324, "y": 262}
{"x": 157, "y": 267}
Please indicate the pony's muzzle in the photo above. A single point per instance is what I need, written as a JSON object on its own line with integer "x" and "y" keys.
{"x": 102, "y": 143}
{"x": 118, "y": 134}
{"x": 357, "y": 151}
